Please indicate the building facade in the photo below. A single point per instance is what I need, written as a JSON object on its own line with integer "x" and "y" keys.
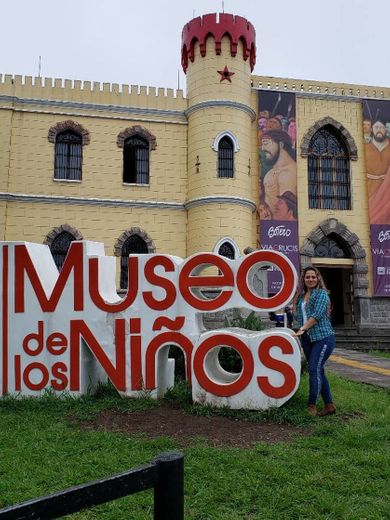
{"x": 151, "y": 170}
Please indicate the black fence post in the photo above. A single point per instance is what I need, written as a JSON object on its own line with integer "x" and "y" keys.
{"x": 169, "y": 488}
{"x": 165, "y": 475}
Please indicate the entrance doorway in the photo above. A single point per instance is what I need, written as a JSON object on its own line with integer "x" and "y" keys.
{"x": 339, "y": 283}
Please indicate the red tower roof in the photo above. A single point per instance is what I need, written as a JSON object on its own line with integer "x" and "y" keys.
{"x": 236, "y": 27}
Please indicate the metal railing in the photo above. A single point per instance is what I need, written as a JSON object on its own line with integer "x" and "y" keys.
{"x": 165, "y": 475}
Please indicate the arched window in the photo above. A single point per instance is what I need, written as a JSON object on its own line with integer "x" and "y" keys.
{"x": 227, "y": 250}
{"x": 136, "y": 160}
{"x": 59, "y": 247}
{"x": 331, "y": 246}
{"x": 329, "y": 170}
{"x": 68, "y": 156}
{"x": 133, "y": 244}
{"x": 227, "y": 247}
{"x": 225, "y": 158}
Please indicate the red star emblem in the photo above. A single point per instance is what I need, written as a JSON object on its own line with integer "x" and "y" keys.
{"x": 225, "y": 74}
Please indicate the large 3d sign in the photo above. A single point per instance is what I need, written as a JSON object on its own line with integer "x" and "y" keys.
{"x": 69, "y": 331}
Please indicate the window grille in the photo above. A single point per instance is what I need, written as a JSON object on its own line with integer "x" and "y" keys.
{"x": 59, "y": 248}
{"x": 329, "y": 171}
{"x": 225, "y": 158}
{"x": 332, "y": 247}
{"x": 132, "y": 245}
{"x": 68, "y": 156}
{"x": 136, "y": 161}
{"x": 226, "y": 250}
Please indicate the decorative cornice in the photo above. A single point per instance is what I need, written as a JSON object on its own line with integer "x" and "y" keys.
{"x": 211, "y": 103}
{"x": 220, "y": 199}
{"x": 329, "y": 96}
{"x": 93, "y": 106}
{"x": 80, "y": 201}
{"x": 317, "y": 95}
{"x": 218, "y": 26}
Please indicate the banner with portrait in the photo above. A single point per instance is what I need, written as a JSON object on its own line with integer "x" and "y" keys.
{"x": 376, "y": 135}
{"x": 278, "y": 178}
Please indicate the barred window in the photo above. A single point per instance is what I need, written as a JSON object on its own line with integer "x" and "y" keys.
{"x": 332, "y": 246}
{"x": 68, "y": 156}
{"x": 225, "y": 158}
{"x": 136, "y": 160}
{"x": 59, "y": 248}
{"x": 226, "y": 250}
{"x": 329, "y": 170}
{"x": 134, "y": 244}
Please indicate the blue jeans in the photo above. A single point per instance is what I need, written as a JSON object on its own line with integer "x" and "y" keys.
{"x": 317, "y": 353}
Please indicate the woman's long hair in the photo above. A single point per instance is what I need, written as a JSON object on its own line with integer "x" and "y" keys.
{"x": 320, "y": 284}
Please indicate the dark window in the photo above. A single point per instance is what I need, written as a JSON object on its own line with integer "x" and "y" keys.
{"x": 136, "y": 161}
{"x": 226, "y": 250}
{"x": 329, "y": 170}
{"x": 225, "y": 158}
{"x": 59, "y": 248}
{"x": 332, "y": 247}
{"x": 68, "y": 156}
{"x": 136, "y": 245}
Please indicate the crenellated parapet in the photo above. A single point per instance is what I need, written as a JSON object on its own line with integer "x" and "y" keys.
{"x": 320, "y": 88}
{"x": 28, "y": 88}
{"x": 236, "y": 27}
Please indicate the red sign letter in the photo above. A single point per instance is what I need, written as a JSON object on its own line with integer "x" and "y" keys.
{"x": 73, "y": 262}
{"x": 188, "y": 280}
{"x": 229, "y": 389}
{"x": 286, "y": 370}
{"x": 132, "y": 289}
{"x": 269, "y": 257}
{"x": 159, "y": 281}
{"x": 117, "y": 375}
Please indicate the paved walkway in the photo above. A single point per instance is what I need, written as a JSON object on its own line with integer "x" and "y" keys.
{"x": 361, "y": 367}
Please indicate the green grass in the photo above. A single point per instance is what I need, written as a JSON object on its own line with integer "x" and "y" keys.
{"x": 341, "y": 471}
{"x": 379, "y": 353}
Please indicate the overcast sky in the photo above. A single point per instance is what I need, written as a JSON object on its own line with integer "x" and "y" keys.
{"x": 138, "y": 42}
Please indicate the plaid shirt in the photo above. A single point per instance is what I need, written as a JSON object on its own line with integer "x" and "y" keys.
{"x": 318, "y": 308}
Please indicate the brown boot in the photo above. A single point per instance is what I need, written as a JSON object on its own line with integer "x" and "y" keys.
{"x": 329, "y": 409}
{"x": 312, "y": 410}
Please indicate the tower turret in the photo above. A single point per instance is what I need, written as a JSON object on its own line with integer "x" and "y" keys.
{"x": 218, "y": 55}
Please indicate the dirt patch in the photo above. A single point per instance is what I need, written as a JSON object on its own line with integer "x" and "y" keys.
{"x": 350, "y": 416}
{"x": 165, "y": 421}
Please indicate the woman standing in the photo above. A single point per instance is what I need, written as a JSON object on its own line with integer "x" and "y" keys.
{"x": 317, "y": 335}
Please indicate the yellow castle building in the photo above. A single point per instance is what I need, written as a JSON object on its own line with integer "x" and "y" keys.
{"x": 153, "y": 170}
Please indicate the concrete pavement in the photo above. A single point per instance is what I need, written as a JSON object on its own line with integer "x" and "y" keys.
{"x": 360, "y": 366}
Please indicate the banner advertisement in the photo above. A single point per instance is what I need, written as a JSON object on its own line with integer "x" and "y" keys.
{"x": 278, "y": 179}
{"x": 376, "y": 134}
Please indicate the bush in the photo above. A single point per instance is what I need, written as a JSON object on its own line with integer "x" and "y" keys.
{"x": 251, "y": 322}
{"x": 228, "y": 357}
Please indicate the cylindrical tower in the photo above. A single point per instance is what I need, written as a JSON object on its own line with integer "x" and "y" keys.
{"x": 218, "y": 55}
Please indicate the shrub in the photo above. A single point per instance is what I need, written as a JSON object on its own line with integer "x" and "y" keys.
{"x": 228, "y": 357}
{"x": 251, "y": 322}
